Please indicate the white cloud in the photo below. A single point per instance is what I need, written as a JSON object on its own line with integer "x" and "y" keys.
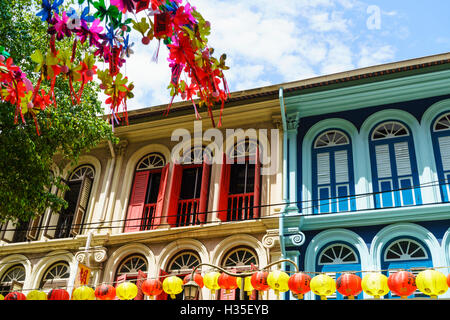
{"x": 268, "y": 42}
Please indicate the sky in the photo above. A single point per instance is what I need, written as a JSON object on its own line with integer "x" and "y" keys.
{"x": 272, "y": 42}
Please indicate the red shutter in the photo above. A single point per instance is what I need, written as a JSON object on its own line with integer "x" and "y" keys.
{"x": 137, "y": 201}
{"x": 257, "y": 189}
{"x": 175, "y": 186}
{"x": 224, "y": 187}
{"x": 140, "y": 279}
{"x": 163, "y": 295}
{"x": 204, "y": 192}
{"x": 161, "y": 196}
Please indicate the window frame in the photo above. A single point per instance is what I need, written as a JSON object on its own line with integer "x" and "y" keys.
{"x": 332, "y": 202}
{"x": 395, "y": 192}
{"x": 443, "y": 175}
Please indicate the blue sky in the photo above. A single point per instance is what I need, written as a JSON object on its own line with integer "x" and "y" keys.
{"x": 271, "y": 42}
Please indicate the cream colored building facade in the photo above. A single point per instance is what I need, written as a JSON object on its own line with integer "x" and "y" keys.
{"x": 44, "y": 261}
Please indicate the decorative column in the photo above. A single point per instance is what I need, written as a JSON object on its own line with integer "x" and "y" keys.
{"x": 292, "y": 129}
{"x": 108, "y": 210}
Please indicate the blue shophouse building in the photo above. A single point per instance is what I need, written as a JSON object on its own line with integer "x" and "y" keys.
{"x": 367, "y": 170}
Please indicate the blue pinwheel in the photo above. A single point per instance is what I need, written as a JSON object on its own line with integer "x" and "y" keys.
{"x": 47, "y": 8}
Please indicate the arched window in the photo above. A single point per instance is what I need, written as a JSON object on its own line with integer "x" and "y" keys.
{"x": 188, "y": 203}
{"x": 70, "y": 220}
{"x": 405, "y": 254}
{"x": 12, "y": 280}
{"x": 337, "y": 258}
{"x": 394, "y": 167}
{"x": 181, "y": 265}
{"x": 240, "y": 182}
{"x": 240, "y": 259}
{"x": 440, "y": 133}
{"x": 332, "y": 173}
{"x": 147, "y": 193}
{"x": 134, "y": 269}
{"x": 56, "y": 276}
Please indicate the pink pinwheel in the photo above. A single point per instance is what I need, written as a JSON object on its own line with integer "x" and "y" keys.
{"x": 60, "y": 26}
{"x": 94, "y": 33}
{"x": 124, "y": 5}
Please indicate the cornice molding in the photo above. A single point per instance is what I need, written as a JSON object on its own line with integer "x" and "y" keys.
{"x": 372, "y": 94}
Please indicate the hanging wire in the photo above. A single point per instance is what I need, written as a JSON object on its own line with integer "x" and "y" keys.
{"x": 301, "y": 202}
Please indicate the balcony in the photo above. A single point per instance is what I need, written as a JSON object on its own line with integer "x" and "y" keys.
{"x": 240, "y": 207}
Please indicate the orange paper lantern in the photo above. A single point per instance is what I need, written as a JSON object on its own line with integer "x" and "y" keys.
{"x": 152, "y": 287}
{"x": 402, "y": 283}
{"x": 105, "y": 292}
{"x": 299, "y": 284}
{"x": 349, "y": 285}
{"x": 227, "y": 282}
{"x": 259, "y": 280}
{"x": 197, "y": 278}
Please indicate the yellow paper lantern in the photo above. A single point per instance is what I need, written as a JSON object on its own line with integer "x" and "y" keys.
{"x": 2, "y": 297}
{"x": 36, "y": 295}
{"x": 323, "y": 286}
{"x": 247, "y": 284}
{"x": 126, "y": 291}
{"x": 211, "y": 281}
{"x": 432, "y": 283}
{"x": 375, "y": 284}
{"x": 173, "y": 285}
{"x": 83, "y": 293}
{"x": 278, "y": 281}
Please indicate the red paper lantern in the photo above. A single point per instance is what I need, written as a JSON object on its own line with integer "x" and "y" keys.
{"x": 402, "y": 283}
{"x": 15, "y": 296}
{"x": 197, "y": 278}
{"x": 448, "y": 280}
{"x": 349, "y": 285}
{"x": 105, "y": 292}
{"x": 227, "y": 282}
{"x": 259, "y": 280}
{"x": 58, "y": 294}
{"x": 299, "y": 284}
{"x": 152, "y": 287}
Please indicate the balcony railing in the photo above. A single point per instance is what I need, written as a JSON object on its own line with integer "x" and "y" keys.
{"x": 188, "y": 212}
{"x": 240, "y": 207}
{"x": 148, "y": 217}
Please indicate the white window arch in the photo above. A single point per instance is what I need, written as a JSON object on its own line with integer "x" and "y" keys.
{"x": 151, "y": 161}
{"x": 13, "y": 276}
{"x": 240, "y": 258}
{"x": 405, "y": 249}
{"x": 183, "y": 262}
{"x": 337, "y": 254}
{"x": 56, "y": 276}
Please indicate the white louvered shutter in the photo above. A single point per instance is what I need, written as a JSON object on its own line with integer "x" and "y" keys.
{"x": 341, "y": 166}
{"x": 383, "y": 161}
{"x": 402, "y": 159}
{"x": 323, "y": 168}
{"x": 444, "y": 148}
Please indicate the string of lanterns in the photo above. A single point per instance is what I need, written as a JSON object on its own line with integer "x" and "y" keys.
{"x": 402, "y": 283}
